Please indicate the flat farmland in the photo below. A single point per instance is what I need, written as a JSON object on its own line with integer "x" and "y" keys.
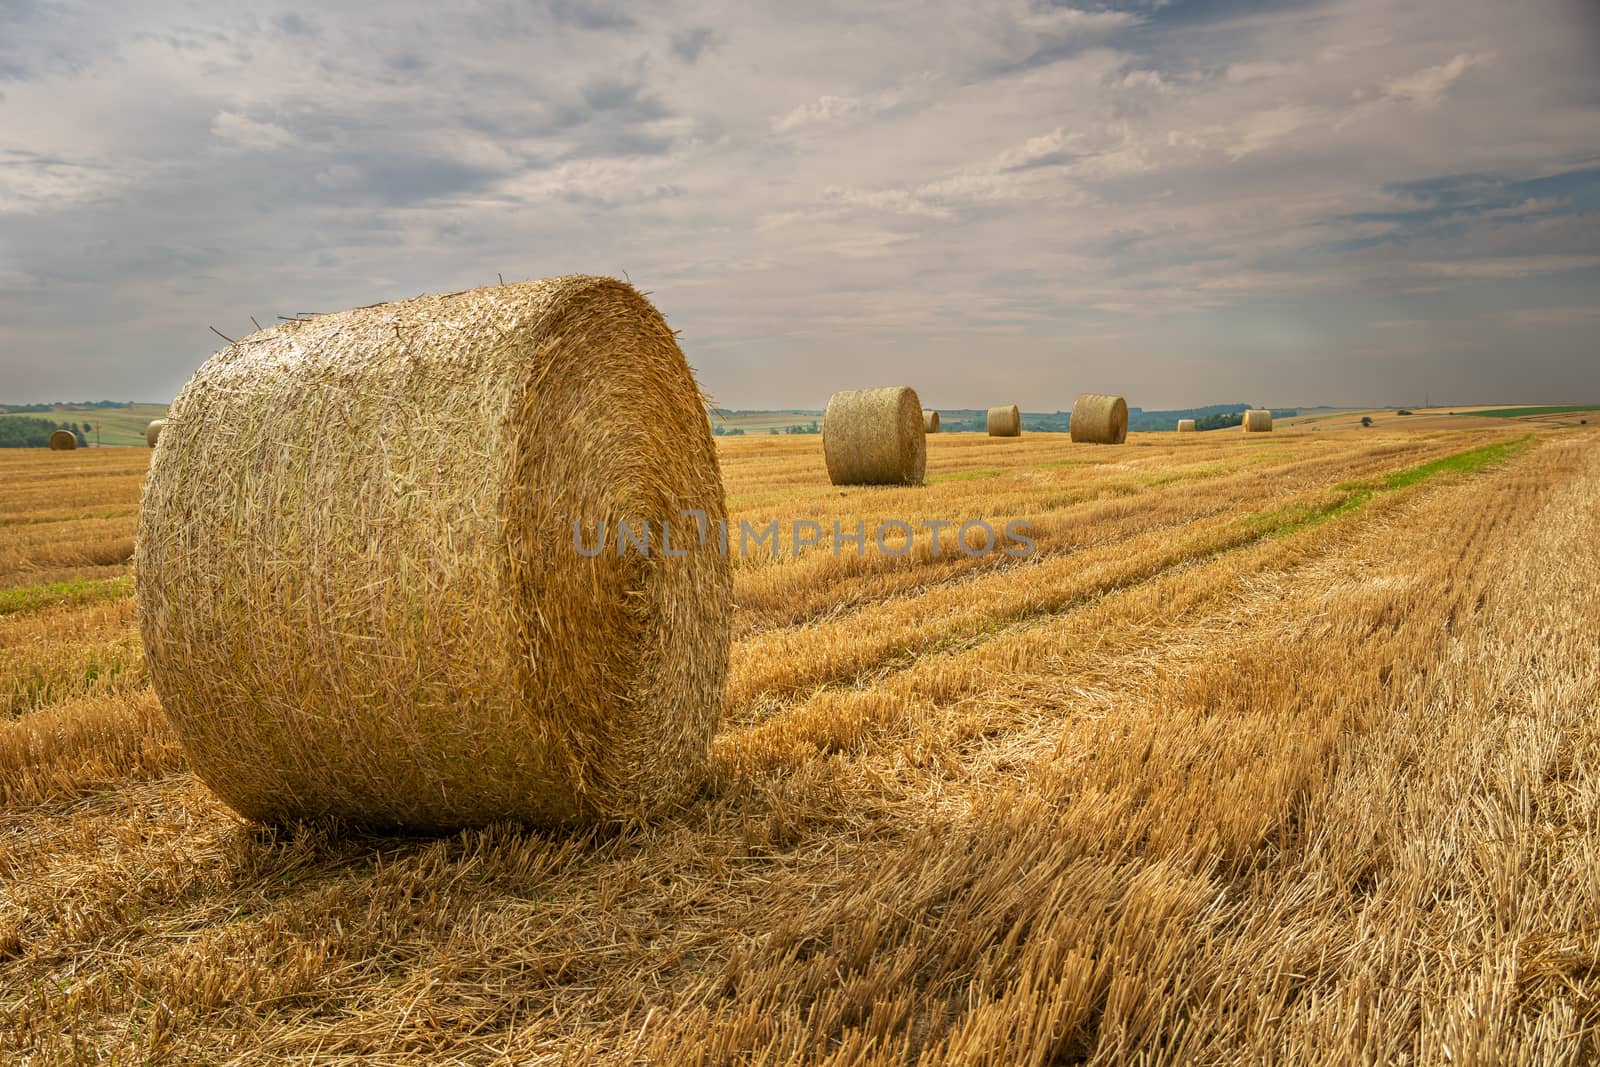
{"x": 1276, "y": 748}
{"x": 120, "y": 426}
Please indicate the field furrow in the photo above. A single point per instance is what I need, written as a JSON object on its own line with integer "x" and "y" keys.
{"x": 1276, "y": 751}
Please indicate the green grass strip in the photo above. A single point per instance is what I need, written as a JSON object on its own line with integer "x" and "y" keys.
{"x": 1474, "y": 459}
{"x": 1253, "y": 529}
{"x": 1516, "y": 413}
{"x": 962, "y": 476}
{"x": 1352, "y": 495}
{"x": 26, "y": 598}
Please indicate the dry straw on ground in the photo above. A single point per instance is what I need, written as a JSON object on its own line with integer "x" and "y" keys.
{"x": 1228, "y": 772}
{"x": 1186, "y": 426}
{"x": 930, "y": 422}
{"x": 358, "y": 583}
{"x": 153, "y": 431}
{"x": 1100, "y": 419}
{"x": 1005, "y": 421}
{"x": 63, "y": 441}
{"x": 874, "y": 437}
{"x": 1257, "y": 421}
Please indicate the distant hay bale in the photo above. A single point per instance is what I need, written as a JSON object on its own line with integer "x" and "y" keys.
{"x": 63, "y": 441}
{"x": 360, "y": 584}
{"x": 1186, "y": 426}
{"x": 1099, "y": 419}
{"x": 874, "y": 437}
{"x": 1005, "y": 421}
{"x": 1257, "y": 421}
{"x": 153, "y": 431}
{"x": 930, "y": 422}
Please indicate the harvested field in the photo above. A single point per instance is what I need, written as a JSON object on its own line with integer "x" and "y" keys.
{"x": 1279, "y": 748}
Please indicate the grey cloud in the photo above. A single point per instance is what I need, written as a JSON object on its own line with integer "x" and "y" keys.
{"x": 1069, "y": 198}
{"x": 618, "y": 97}
{"x": 407, "y": 63}
{"x": 605, "y": 142}
{"x": 17, "y": 18}
{"x": 418, "y": 180}
{"x": 294, "y": 24}
{"x": 1047, "y": 159}
{"x": 588, "y": 15}
{"x": 635, "y": 197}
{"x": 1212, "y": 12}
{"x": 37, "y": 40}
{"x": 691, "y": 44}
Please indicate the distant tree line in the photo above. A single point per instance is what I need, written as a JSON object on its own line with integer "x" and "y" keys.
{"x": 29, "y": 409}
{"x": 974, "y": 420}
{"x": 773, "y": 431}
{"x": 1220, "y": 421}
{"x": 738, "y": 431}
{"x": 724, "y": 430}
{"x": 35, "y": 433}
{"x": 1213, "y": 417}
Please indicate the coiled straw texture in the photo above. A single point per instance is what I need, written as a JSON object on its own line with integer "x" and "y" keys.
{"x": 874, "y": 437}
{"x": 1100, "y": 419}
{"x": 358, "y": 583}
{"x": 1005, "y": 421}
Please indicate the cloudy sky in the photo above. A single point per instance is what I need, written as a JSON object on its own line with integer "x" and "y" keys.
{"x": 1196, "y": 201}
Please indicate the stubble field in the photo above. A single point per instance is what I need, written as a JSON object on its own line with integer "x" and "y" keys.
{"x": 1280, "y": 748}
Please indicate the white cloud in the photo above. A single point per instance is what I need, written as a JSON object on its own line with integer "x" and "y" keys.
{"x": 1538, "y": 205}
{"x": 613, "y": 182}
{"x": 1072, "y": 21}
{"x": 31, "y": 184}
{"x": 1425, "y": 89}
{"x": 1065, "y": 189}
{"x": 823, "y": 109}
{"x": 245, "y": 132}
{"x": 1267, "y": 128}
{"x": 1144, "y": 79}
{"x": 1055, "y": 145}
{"x": 340, "y": 176}
{"x": 1510, "y": 266}
{"x": 1557, "y": 316}
{"x": 1259, "y": 70}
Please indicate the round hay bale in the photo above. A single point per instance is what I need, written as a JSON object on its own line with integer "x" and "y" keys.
{"x": 360, "y": 585}
{"x": 1257, "y": 421}
{"x": 1186, "y": 426}
{"x": 874, "y": 437}
{"x": 1005, "y": 421}
{"x": 63, "y": 441}
{"x": 1100, "y": 419}
{"x": 930, "y": 422}
{"x": 153, "y": 431}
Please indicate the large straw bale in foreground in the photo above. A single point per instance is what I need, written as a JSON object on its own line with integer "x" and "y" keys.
{"x": 930, "y": 422}
{"x": 1100, "y": 419}
{"x": 63, "y": 441}
{"x": 1186, "y": 426}
{"x": 874, "y": 437}
{"x": 1257, "y": 421}
{"x": 152, "y": 433}
{"x": 1005, "y": 421}
{"x": 358, "y": 585}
